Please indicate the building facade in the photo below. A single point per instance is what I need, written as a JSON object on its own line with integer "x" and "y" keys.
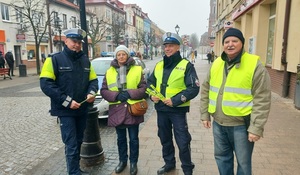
{"x": 54, "y": 16}
{"x": 271, "y": 30}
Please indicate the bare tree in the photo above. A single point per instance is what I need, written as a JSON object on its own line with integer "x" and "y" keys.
{"x": 158, "y": 42}
{"x": 148, "y": 40}
{"x": 138, "y": 40}
{"x": 117, "y": 29}
{"x": 194, "y": 41}
{"x": 97, "y": 31}
{"x": 34, "y": 21}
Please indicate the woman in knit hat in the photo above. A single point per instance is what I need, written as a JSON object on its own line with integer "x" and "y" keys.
{"x": 124, "y": 83}
{"x": 237, "y": 94}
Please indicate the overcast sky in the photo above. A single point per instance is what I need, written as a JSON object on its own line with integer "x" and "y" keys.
{"x": 190, "y": 15}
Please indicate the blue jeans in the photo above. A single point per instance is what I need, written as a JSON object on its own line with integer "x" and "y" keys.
{"x": 229, "y": 139}
{"x": 72, "y": 129}
{"x": 133, "y": 132}
{"x": 167, "y": 121}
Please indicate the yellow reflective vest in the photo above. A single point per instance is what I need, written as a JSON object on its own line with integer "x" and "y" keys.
{"x": 176, "y": 79}
{"x": 133, "y": 79}
{"x": 237, "y": 97}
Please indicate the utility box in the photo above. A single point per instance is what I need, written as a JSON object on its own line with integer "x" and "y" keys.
{"x": 297, "y": 90}
{"x": 22, "y": 70}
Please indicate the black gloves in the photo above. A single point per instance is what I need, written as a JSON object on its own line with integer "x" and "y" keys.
{"x": 123, "y": 96}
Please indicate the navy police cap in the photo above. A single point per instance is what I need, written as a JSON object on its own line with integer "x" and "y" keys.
{"x": 171, "y": 38}
{"x": 75, "y": 33}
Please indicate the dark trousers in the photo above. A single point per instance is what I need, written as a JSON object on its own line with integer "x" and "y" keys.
{"x": 133, "y": 132}
{"x": 72, "y": 129}
{"x": 166, "y": 121}
{"x": 11, "y": 69}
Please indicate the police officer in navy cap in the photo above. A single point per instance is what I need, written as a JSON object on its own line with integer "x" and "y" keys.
{"x": 71, "y": 83}
{"x": 75, "y": 34}
{"x": 176, "y": 79}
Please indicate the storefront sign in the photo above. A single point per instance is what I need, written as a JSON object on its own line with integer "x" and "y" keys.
{"x": 21, "y": 38}
{"x": 243, "y": 8}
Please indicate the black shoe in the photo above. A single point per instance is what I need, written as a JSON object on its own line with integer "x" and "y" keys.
{"x": 120, "y": 167}
{"x": 165, "y": 169}
{"x": 133, "y": 169}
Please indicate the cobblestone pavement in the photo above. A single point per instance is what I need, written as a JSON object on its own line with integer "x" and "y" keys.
{"x": 28, "y": 134}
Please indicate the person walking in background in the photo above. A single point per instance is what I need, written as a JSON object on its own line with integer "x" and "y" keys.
{"x": 193, "y": 57}
{"x": 195, "y": 53}
{"x": 2, "y": 60}
{"x": 213, "y": 56}
{"x": 10, "y": 61}
{"x": 71, "y": 83}
{"x": 43, "y": 57}
{"x": 124, "y": 84}
{"x": 176, "y": 79}
{"x": 139, "y": 55}
{"x": 209, "y": 57}
{"x": 237, "y": 94}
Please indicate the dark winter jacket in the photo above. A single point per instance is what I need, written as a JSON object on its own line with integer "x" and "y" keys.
{"x": 9, "y": 58}
{"x": 65, "y": 77}
{"x": 2, "y": 61}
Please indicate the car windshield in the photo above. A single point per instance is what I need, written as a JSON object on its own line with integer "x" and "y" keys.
{"x": 101, "y": 66}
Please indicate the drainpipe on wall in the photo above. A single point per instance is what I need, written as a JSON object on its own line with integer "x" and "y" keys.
{"x": 286, "y": 74}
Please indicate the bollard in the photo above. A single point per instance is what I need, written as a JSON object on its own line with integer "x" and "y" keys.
{"x": 91, "y": 151}
{"x": 297, "y": 89}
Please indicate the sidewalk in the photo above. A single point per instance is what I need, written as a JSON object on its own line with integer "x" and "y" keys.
{"x": 275, "y": 154}
{"x": 17, "y": 80}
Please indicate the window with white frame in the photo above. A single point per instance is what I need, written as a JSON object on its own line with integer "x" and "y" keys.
{"x": 271, "y": 34}
{"x": 73, "y": 22}
{"x": 65, "y": 21}
{"x": 5, "y": 12}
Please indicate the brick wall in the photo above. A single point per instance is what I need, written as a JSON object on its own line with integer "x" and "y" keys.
{"x": 277, "y": 80}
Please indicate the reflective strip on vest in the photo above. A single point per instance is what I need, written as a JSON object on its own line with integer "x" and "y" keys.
{"x": 133, "y": 79}
{"x": 237, "y": 90}
{"x": 237, "y": 97}
{"x": 176, "y": 79}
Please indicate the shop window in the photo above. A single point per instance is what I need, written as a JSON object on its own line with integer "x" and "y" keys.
{"x": 31, "y": 54}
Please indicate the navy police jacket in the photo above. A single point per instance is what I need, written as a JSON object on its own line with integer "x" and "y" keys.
{"x": 68, "y": 76}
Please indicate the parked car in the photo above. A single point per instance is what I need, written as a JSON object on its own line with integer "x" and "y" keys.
{"x": 100, "y": 66}
{"x": 107, "y": 54}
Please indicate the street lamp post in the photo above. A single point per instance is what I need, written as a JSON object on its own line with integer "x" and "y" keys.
{"x": 177, "y": 28}
{"x": 57, "y": 24}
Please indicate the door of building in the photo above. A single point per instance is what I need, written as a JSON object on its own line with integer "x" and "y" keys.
{"x": 17, "y": 51}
